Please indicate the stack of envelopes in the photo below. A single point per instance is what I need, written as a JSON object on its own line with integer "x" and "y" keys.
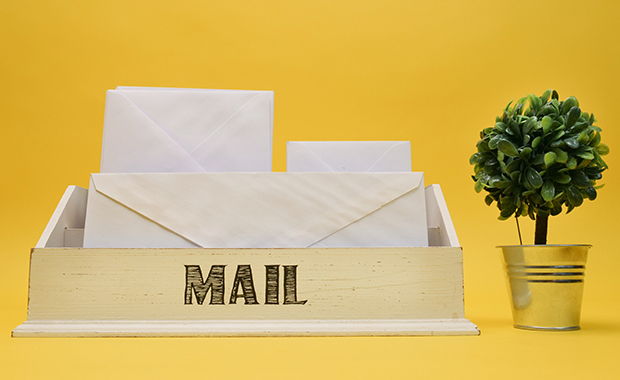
{"x": 192, "y": 168}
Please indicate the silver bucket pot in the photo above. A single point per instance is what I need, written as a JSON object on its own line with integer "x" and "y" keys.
{"x": 546, "y": 285}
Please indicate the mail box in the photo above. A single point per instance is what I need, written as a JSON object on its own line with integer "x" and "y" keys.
{"x": 76, "y": 291}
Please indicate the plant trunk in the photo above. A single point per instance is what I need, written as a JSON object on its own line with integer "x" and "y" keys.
{"x": 540, "y": 236}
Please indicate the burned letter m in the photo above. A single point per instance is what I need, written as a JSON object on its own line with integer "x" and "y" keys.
{"x": 214, "y": 281}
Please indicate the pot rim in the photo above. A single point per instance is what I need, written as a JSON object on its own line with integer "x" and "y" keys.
{"x": 544, "y": 245}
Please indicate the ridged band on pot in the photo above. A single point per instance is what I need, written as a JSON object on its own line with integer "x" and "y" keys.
{"x": 546, "y": 285}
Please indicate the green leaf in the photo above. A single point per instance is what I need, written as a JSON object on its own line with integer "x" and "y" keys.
{"x": 524, "y": 209}
{"x": 579, "y": 126}
{"x": 478, "y": 186}
{"x": 574, "y": 196}
{"x": 580, "y": 179}
{"x": 569, "y": 103}
{"x": 546, "y": 124}
{"x": 514, "y": 165}
{"x": 587, "y": 155}
{"x": 572, "y": 143}
{"x": 536, "y": 141}
{"x": 513, "y": 127}
{"x": 529, "y": 125}
{"x": 561, "y": 156}
{"x": 491, "y": 166}
{"x": 556, "y": 136}
{"x": 571, "y": 163}
{"x": 595, "y": 139}
{"x": 548, "y": 109}
{"x": 556, "y": 210}
{"x": 539, "y": 159}
{"x": 554, "y": 95}
{"x": 501, "y": 184}
{"x": 477, "y": 158}
{"x": 536, "y": 199}
{"x": 573, "y": 116}
{"x": 483, "y": 146}
{"x": 584, "y": 163}
{"x": 534, "y": 178}
{"x": 494, "y": 179}
{"x": 591, "y": 193}
{"x": 550, "y": 158}
{"x": 562, "y": 178}
{"x": 501, "y": 127}
{"x": 494, "y": 140}
{"x": 548, "y": 191}
{"x": 525, "y": 153}
{"x": 508, "y": 211}
{"x": 602, "y": 149}
{"x": 535, "y": 102}
{"x": 507, "y": 148}
{"x": 545, "y": 96}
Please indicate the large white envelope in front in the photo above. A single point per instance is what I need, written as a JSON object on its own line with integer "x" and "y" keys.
{"x": 348, "y": 156}
{"x": 256, "y": 210}
{"x": 184, "y": 130}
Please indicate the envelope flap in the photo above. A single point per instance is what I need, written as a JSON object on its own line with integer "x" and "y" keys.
{"x": 351, "y": 156}
{"x": 255, "y": 209}
{"x": 245, "y": 125}
{"x": 137, "y": 138}
{"x": 190, "y": 117}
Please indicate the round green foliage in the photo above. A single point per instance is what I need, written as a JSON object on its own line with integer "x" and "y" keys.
{"x": 541, "y": 155}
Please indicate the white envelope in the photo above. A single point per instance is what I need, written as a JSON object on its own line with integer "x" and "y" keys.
{"x": 348, "y": 156}
{"x": 150, "y": 130}
{"x": 256, "y": 210}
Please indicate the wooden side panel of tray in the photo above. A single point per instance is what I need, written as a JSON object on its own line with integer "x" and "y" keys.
{"x": 336, "y": 291}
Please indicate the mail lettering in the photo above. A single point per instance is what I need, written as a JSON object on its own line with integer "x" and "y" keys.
{"x": 242, "y": 285}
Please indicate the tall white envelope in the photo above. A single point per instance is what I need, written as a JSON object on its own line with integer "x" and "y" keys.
{"x": 150, "y": 130}
{"x": 256, "y": 210}
{"x": 348, "y": 156}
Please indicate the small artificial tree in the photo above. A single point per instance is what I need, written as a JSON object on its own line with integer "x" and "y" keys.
{"x": 541, "y": 155}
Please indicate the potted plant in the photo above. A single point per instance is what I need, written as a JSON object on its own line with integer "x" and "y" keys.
{"x": 542, "y": 157}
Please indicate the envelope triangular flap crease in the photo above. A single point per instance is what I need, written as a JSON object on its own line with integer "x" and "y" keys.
{"x": 257, "y": 210}
{"x": 177, "y": 130}
{"x": 348, "y": 156}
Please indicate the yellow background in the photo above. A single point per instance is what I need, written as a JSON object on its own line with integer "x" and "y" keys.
{"x": 432, "y": 72}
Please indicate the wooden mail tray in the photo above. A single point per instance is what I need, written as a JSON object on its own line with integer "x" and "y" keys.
{"x": 78, "y": 291}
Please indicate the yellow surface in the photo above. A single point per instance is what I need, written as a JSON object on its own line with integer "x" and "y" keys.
{"x": 433, "y": 72}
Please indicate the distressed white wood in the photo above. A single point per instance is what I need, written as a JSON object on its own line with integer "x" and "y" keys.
{"x": 393, "y": 291}
{"x": 441, "y": 232}
{"x": 74, "y": 237}
{"x": 430, "y": 327}
{"x": 70, "y": 213}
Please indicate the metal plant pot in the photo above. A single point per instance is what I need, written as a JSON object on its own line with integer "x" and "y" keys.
{"x": 546, "y": 285}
